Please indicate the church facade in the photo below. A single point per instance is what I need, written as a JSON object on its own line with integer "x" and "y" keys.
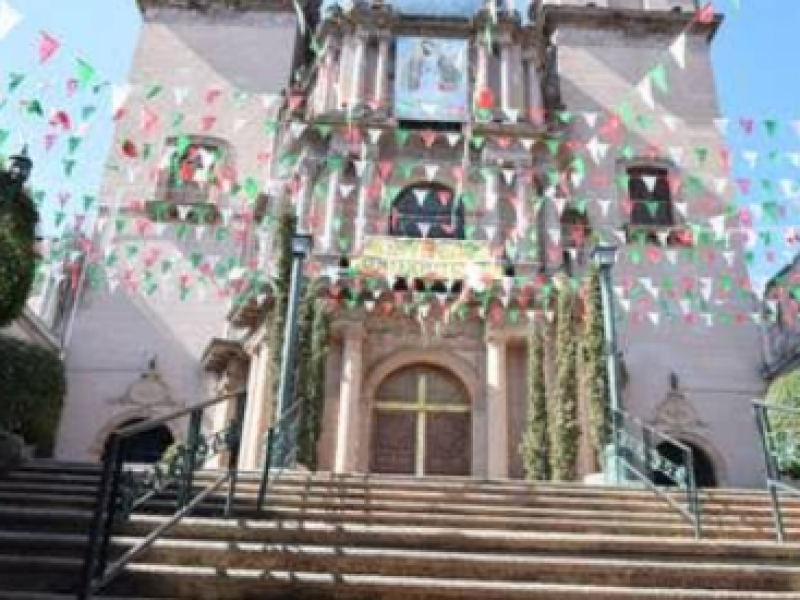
{"x": 448, "y": 168}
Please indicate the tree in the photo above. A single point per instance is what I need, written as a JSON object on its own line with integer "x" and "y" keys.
{"x": 785, "y": 392}
{"x": 563, "y": 426}
{"x": 534, "y": 446}
{"x": 595, "y": 375}
{"x": 18, "y": 219}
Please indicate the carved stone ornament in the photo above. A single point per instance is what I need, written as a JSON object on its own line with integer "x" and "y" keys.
{"x": 676, "y": 413}
{"x": 148, "y": 391}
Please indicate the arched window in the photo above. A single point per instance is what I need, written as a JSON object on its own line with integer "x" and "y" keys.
{"x": 428, "y": 210}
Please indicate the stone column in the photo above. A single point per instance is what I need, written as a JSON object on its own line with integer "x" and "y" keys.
{"x": 482, "y": 76}
{"x": 304, "y": 197}
{"x": 382, "y": 75}
{"x": 361, "y": 217}
{"x": 506, "y": 102}
{"x": 356, "y": 92}
{"x": 327, "y": 81}
{"x": 347, "y": 441}
{"x": 496, "y": 407}
{"x": 522, "y": 212}
{"x": 535, "y": 103}
{"x": 330, "y": 209}
{"x": 257, "y": 411}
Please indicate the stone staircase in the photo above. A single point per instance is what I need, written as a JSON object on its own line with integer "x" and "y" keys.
{"x": 370, "y": 537}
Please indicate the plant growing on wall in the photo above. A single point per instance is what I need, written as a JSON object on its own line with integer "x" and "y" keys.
{"x": 785, "y": 391}
{"x": 32, "y": 388}
{"x": 281, "y": 283}
{"x": 311, "y": 372}
{"x": 18, "y": 219}
{"x": 534, "y": 446}
{"x": 595, "y": 374}
{"x": 563, "y": 426}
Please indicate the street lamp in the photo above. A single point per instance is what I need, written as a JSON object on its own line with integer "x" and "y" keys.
{"x": 605, "y": 257}
{"x": 300, "y": 245}
{"x": 20, "y": 167}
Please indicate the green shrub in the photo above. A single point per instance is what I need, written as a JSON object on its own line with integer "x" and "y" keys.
{"x": 785, "y": 391}
{"x": 32, "y": 389}
{"x": 18, "y": 218}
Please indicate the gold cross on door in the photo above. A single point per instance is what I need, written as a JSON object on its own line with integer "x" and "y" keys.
{"x": 422, "y": 424}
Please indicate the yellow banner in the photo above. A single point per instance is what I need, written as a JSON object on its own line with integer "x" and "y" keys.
{"x": 417, "y": 258}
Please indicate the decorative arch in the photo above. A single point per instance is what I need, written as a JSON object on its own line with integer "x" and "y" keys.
{"x": 404, "y": 358}
{"x": 427, "y": 210}
{"x": 714, "y": 456}
{"x": 118, "y": 420}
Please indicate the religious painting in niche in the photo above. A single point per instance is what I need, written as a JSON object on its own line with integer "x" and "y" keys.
{"x": 431, "y": 82}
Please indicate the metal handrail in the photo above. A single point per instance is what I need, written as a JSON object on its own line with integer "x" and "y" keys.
{"x": 280, "y": 445}
{"x": 774, "y": 455}
{"x": 123, "y": 491}
{"x": 652, "y": 461}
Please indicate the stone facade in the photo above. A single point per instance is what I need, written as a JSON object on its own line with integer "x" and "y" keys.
{"x": 215, "y": 87}
{"x": 354, "y": 184}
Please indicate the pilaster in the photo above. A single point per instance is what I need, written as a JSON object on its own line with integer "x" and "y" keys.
{"x": 496, "y": 405}
{"x": 347, "y": 433}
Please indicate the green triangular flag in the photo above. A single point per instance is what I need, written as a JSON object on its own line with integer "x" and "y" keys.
{"x": 85, "y": 73}
{"x": 14, "y": 81}
{"x": 659, "y": 76}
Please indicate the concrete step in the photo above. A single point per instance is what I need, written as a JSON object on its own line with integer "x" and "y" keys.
{"x": 550, "y": 568}
{"x": 323, "y": 532}
{"x": 202, "y": 583}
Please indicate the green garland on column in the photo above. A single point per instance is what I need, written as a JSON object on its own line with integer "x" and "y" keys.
{"x": 563, "y": 425}
{"x": 534, "y": 447}
{"x": 595, "y": 377}
{"x": 311, "y": 373}
{"x": 280, "y": 307}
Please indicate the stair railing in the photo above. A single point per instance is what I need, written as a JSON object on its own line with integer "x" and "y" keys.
{"x": 124, "y": 488}
{"x": 639, "y": 455}
{"x": 781, "y": 448}
{"x": 280, "y": 451}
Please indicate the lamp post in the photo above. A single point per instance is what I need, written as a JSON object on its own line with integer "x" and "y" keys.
{"x": 301, "y": 245}
{"x": 605, "y": 257}
{"x": 19, "y": 169}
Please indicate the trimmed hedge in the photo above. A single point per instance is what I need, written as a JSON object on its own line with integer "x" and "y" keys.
{"x": 785, "y": 391}
{"x": 32, "y": 389}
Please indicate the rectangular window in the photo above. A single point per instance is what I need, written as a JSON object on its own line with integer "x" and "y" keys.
{"x": 649, "y": 192}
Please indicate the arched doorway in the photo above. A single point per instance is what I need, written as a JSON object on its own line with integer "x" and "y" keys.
{"x": 704, "y": 473}
{"x": 148, "y": 446}
{"x": 422, "y": 424}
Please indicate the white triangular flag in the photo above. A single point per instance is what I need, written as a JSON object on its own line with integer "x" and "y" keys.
{"x": 183, "y": 211}
{"x": 681, "y": 207}
{"x": 678, "y": 50}
{"x": 604, "y": 205}
{"x": 720, "y": 184}
{"x": 670, "y": 121}
{"x": 560, "y": 204}
{"x": 676, "y": 153}
{"x": 751, "y": 157}
{"x": 722, "y": 125}
{"x": 453, "y": 138}
{"x": 180, "y": 94}
{"x": 119, "y": 95}
{"x": 490, "y": 231}
{"x": 645, "y": 89}
{"x": 555, "y": 235}
{"x": 345, "y": 189}
{"x": 527, "y": 143}
{"x": 430, "y": 171}
{"x": 672, "y": 256}
{"x": 374, "y": 135}
{"x": 650, "y": 182}
{"x": 590, "y": 118}
{"x": 296, "y": 129}
{"x": 508, "y": 176}
{"x": 420, "y": 195}
{"x": 655, "y": 318}
{"x": 9, "y": 19}
{"x": 512, "y": 114}
{"x": 424, "y": 228}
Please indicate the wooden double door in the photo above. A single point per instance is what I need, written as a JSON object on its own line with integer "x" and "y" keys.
{"x": 422, "y": 424}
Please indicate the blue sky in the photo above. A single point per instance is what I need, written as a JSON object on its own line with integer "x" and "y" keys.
{"x": 756, "y": 76}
